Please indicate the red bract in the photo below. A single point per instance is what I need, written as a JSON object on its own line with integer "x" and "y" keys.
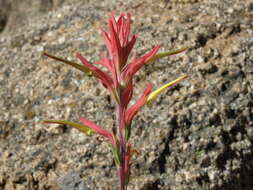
{"x": 108, "y": 82}
{"x": 103, "y": 132}
{"x": 130, "y": 69}
{"x": 117, "y": 42}
{"x": 104, "y": 77}
{"x": 127, "y": 94}
{"x": 133, "y": 110}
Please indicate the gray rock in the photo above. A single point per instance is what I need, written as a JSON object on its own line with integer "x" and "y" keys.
{"x": 196, "y": 136}
{"x": 71, "y": 181}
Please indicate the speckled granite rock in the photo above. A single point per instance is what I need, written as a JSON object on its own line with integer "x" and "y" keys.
{"x": 197, "y": 136}
{"x": 15, "y": 13}
{"x": 73, "y": 181}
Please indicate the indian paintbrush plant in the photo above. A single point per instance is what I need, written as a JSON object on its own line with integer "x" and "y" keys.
{"x": 119, "y": 83}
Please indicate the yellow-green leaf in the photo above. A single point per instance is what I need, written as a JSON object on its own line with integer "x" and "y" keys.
{"x": 158, "y": 91}
{"x": 165, "y": 54}
{"x": 116, "y": 156}
{"x": 78, "y": 126}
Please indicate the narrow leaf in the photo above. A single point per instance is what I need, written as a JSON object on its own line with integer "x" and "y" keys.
{"x": 78, "y": 126}
{"x": 75, "y": 65}
{"x": 99, "y": 130}
{"x": 155, "y": 93}
{"x": 116, "y": 156}
{"x": 133, "y": 110}
{"x": 165, "y": 54}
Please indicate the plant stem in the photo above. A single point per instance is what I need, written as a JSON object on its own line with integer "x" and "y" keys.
{"x": 120, "y": 126}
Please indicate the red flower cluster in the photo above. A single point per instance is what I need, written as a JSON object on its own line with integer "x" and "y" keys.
{"x": 119, "y": 82}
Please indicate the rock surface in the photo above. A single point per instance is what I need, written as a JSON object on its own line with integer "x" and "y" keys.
{"x": 197, "y": 136}
{"x": 71, "y": 181}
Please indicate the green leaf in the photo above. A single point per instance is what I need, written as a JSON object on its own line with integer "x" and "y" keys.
{"x": 78, "y": 126}
{"x": 128, "y": 131}
{"x": 116, "y": 156}
{"x": 75, "y": 65}
{"x": 165, "y": 54}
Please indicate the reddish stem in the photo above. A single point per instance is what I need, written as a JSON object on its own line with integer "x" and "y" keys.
{"x": 120, "y": 111}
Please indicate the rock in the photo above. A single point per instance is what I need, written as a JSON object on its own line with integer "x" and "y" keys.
{"x": 71, "y": 181}
{"x": 15, "y": 13}
{"x": 197, "y": 135}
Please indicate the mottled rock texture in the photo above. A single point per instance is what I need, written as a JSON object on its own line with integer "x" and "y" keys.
{"x": 197, "y": 136}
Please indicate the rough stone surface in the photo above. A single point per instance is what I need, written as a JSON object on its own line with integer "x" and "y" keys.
{"x": 197, "y": 136}
{"x": 72, "y": 181}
